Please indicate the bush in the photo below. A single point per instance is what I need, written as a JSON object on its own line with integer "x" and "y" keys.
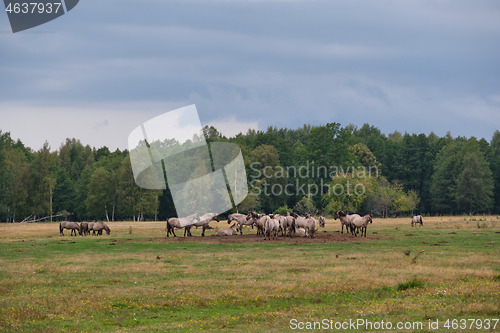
{"x": 414, "y": 283}
{"x": 282, "y": 210}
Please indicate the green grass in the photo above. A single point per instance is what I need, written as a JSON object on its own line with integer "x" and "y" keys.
{"x": 125, "y": 282}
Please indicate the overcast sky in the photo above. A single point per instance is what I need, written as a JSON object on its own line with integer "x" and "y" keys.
{"x": 107, "y": 66}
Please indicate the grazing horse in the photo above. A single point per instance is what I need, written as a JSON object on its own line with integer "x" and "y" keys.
{"x": 204, "y": 223}
{"x": 416, "y": 220}
{"x": 361, "y": 223}
{"x": 98, "y": 227}
{"x": 70, "y": 225}
{"x": 175, "y": 222}
{"x": 85, "y": 228}
{"x": 345, "y": 219}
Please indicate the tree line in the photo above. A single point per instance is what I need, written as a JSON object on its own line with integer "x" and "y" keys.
{"x": 316, "y": 169}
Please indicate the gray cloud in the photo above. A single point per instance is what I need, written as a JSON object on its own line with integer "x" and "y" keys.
{"x": 415, "y": 66}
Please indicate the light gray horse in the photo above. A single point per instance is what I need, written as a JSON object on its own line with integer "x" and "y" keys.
{"x": 232, "y": 230}
{"x": 205, "y": 220}
{"x": 259, "y": 220}
{"x": 289, "y": 224}
{"x": 241, "y": 219}
{"x": 73, "y": 226}
{"x": 345, "y": 220}
{"x": 307, "y": 222}
{"x": 321, "y": 221}
{"x": 416, "y": 220}
{"x": 360, "y": 223}
{"x": 175, "y": 222}
{"x": 271, "y": 227}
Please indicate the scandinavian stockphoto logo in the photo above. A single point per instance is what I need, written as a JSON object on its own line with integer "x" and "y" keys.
{"x": 26, "y": 14}
{"x": 202, "y": 177}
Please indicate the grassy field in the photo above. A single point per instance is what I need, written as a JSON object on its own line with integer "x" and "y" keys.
{"x": 137, "y": 280}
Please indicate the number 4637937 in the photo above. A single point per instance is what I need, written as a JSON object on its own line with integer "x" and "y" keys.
{"x": 33, "y": 7}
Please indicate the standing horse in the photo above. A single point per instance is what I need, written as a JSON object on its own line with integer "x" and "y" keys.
{"x": 307, "y": 222}
{"x": 416, "y": 220}
{"x": 288, "y": 224}
{"x": 175, "y": 222}
{"x": 241, "y": 219}
{"x": 321, "y": 221}
{"x": 70, "y": 225}
{"x": 345, "y": 220}
{"x": 204, "y": 223}
{"x": 361, "y": 223}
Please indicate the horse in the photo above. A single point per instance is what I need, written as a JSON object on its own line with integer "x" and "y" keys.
{"x": 241, "y": 219}
{"x": 288, "y": 224}
{"x": 416, "y": 220}
{"x": 85, "y": 228}
{"x": 70, "y": 225}
{"x": 321, "y": 221}
{"x": 204, "y": 223}
{"x": 307, "y": 222}
{"x": 345, "y": 219}
{"x": 232, "y": 230}
{"x": 259, "y": 220}
{"x": 175, "y": 222}
{"x": 361, "y": 223}
{"x": 98, "y": 227}
{"x": 271, "y": 227}
{"x": 90, "y": 226}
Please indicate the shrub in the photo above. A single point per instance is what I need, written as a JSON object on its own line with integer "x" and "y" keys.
{"x": 414, "y": 283}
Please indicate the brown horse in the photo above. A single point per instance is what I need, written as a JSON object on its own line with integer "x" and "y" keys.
{"x": 70, "y": 225}
{"x": 85, "y": 228}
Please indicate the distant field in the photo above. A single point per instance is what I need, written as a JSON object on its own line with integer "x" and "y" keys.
{"x": 138, "y": 280}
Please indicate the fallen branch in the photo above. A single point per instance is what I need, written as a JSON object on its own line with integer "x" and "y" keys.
{"x": 40, "y": 219}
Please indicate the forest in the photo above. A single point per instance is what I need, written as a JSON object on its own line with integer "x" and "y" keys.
{"x": 316, "y": 169}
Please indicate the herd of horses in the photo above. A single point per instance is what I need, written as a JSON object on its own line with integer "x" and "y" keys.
{"x": 268, "y": 225}
{"x": 84, "y": 228}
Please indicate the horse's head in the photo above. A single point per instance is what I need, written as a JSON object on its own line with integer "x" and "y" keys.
{"x": 216, "y": 218}
{"x": 321, "y": 221}
{"x": 370, "y": 217}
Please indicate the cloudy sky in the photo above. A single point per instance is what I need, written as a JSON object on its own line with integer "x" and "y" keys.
{"x": 105, "y": 67}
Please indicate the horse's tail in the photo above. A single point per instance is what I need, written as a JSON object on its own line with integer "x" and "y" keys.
{"x": 60, "y": 228}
